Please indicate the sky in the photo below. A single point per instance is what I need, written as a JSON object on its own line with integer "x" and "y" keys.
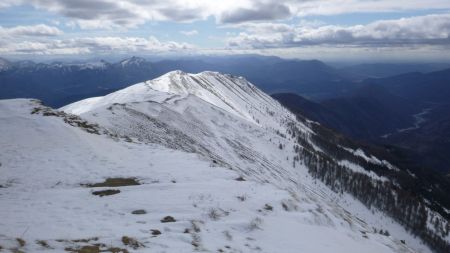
{"x": 304, "y": 29}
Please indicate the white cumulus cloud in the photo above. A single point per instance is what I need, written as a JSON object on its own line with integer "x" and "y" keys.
{"x": 421, "y": 30}
{"x": 32, "y": 30}
{"x": 93, "y": 45}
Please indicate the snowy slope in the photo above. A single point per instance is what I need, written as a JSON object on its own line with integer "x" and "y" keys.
{"x": 210, "y": 150}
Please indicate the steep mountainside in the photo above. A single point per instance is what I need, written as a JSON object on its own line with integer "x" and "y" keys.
{"x": 190, "y": 162}
{"x": 311, "y": 110}
{"x": 412, "y": 149}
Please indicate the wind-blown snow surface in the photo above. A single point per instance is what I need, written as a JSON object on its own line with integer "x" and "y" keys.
{"x": 206, "y": 150}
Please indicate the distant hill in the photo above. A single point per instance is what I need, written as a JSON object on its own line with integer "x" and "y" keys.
{"x": 431, "y": 87}
{"x": 381, "y": 70}
{"x": 367, "y": 113}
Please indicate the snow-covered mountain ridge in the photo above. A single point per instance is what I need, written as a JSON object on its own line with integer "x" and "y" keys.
{"x": 232, "y": 94}
{"x": 212, "y": 151}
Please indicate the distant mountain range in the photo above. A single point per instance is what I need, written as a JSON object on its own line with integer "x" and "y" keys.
{"x": 57, "y": 83}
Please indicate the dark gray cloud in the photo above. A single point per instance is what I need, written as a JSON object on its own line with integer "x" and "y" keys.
{"x": 181, "y": 15}
{"x": 88, "y": 9}
{"x": 130, "y": 13}
{"x": 122, "y": 13}
{"x": 103, "y": 11}
{"x": 258, "y": 12}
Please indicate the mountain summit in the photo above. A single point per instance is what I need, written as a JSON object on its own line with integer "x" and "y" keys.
{"x": 232, "y": 94}
{"x": 196, "y": 162}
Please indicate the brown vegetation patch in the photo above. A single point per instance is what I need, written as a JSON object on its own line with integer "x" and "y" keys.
{"x": 21, "y": 242}
{"x": 106, "y": 192}
{"x": 115, "y": 182}
{"x": 168, "y": 219}
{"x": 131, "y": 242}
{"x": 43, "y": 244}
{"x": 155, "y": 232}
{"x": 140, "y": 211}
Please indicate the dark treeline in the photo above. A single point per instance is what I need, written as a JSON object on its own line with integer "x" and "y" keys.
{"x": 401, "y": 203}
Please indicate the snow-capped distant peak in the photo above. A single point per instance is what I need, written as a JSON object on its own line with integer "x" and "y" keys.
{"x": 94, "y": 65}
{"x": 132, "y": 61}
{"x": 4, "y": 64}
